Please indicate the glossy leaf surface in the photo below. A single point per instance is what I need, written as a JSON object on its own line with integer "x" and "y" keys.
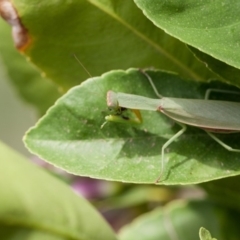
{"x": 70, "y": 135}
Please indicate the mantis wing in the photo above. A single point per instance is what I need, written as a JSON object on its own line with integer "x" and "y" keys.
{"x": 210, "y": 115}
{"x": 207, "y": 114}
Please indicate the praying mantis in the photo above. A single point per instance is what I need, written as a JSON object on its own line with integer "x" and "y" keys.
{"x": 213, "y": 116}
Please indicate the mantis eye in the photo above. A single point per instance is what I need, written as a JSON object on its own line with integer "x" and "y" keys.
{"x": 112, "y": 101}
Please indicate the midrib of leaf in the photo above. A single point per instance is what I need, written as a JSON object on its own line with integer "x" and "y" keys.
{"x": 147, "y": 40}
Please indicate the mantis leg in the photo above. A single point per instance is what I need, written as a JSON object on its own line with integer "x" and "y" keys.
{"x": 210, "y": 90}
{"x": 222, "y": 143}
{"x": 179, "y": 133}
{"x": 166, "y": 144}
{"x": 152, "y": 84}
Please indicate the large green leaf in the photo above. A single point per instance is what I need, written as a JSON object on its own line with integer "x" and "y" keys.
{"x": 35, "y": 205}
{"x": 178, "y": 220}
{"x": 33, "y": 88}
{"x": 210, "y": 26}
{"x": 226, "y": 72}
{"x": 229, "y": 187}
{"x": 104, "y": 35}
{"x": 70, "y": 135}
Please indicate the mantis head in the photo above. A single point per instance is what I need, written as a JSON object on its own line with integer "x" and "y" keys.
{"x": 120, "y": 114}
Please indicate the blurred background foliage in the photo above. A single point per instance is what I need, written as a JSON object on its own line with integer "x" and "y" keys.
{"x": 26, "y": 94}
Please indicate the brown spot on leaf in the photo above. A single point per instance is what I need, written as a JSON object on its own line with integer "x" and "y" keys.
{"x": 19, "y": 32}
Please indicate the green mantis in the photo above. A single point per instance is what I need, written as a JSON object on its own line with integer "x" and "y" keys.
{"x": 210, "y": 115}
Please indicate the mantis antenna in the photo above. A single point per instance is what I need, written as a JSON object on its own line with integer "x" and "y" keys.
{"x": 85, "y": 69}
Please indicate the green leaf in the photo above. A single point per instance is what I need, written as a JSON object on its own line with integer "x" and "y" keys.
{"x": 35, "y": 205}
{"x": 210, "y": 26}
{"x": 229, "y": 187}
{"x": 178, "y": 220}
{"x": 226, "y": 72}
{"x": 33, "y": 88}
{"x": 138, "y": 195}
{"x": 205, "y": 234}
{"x": 70, "y": 135}
{"x": 123, "y": 37}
